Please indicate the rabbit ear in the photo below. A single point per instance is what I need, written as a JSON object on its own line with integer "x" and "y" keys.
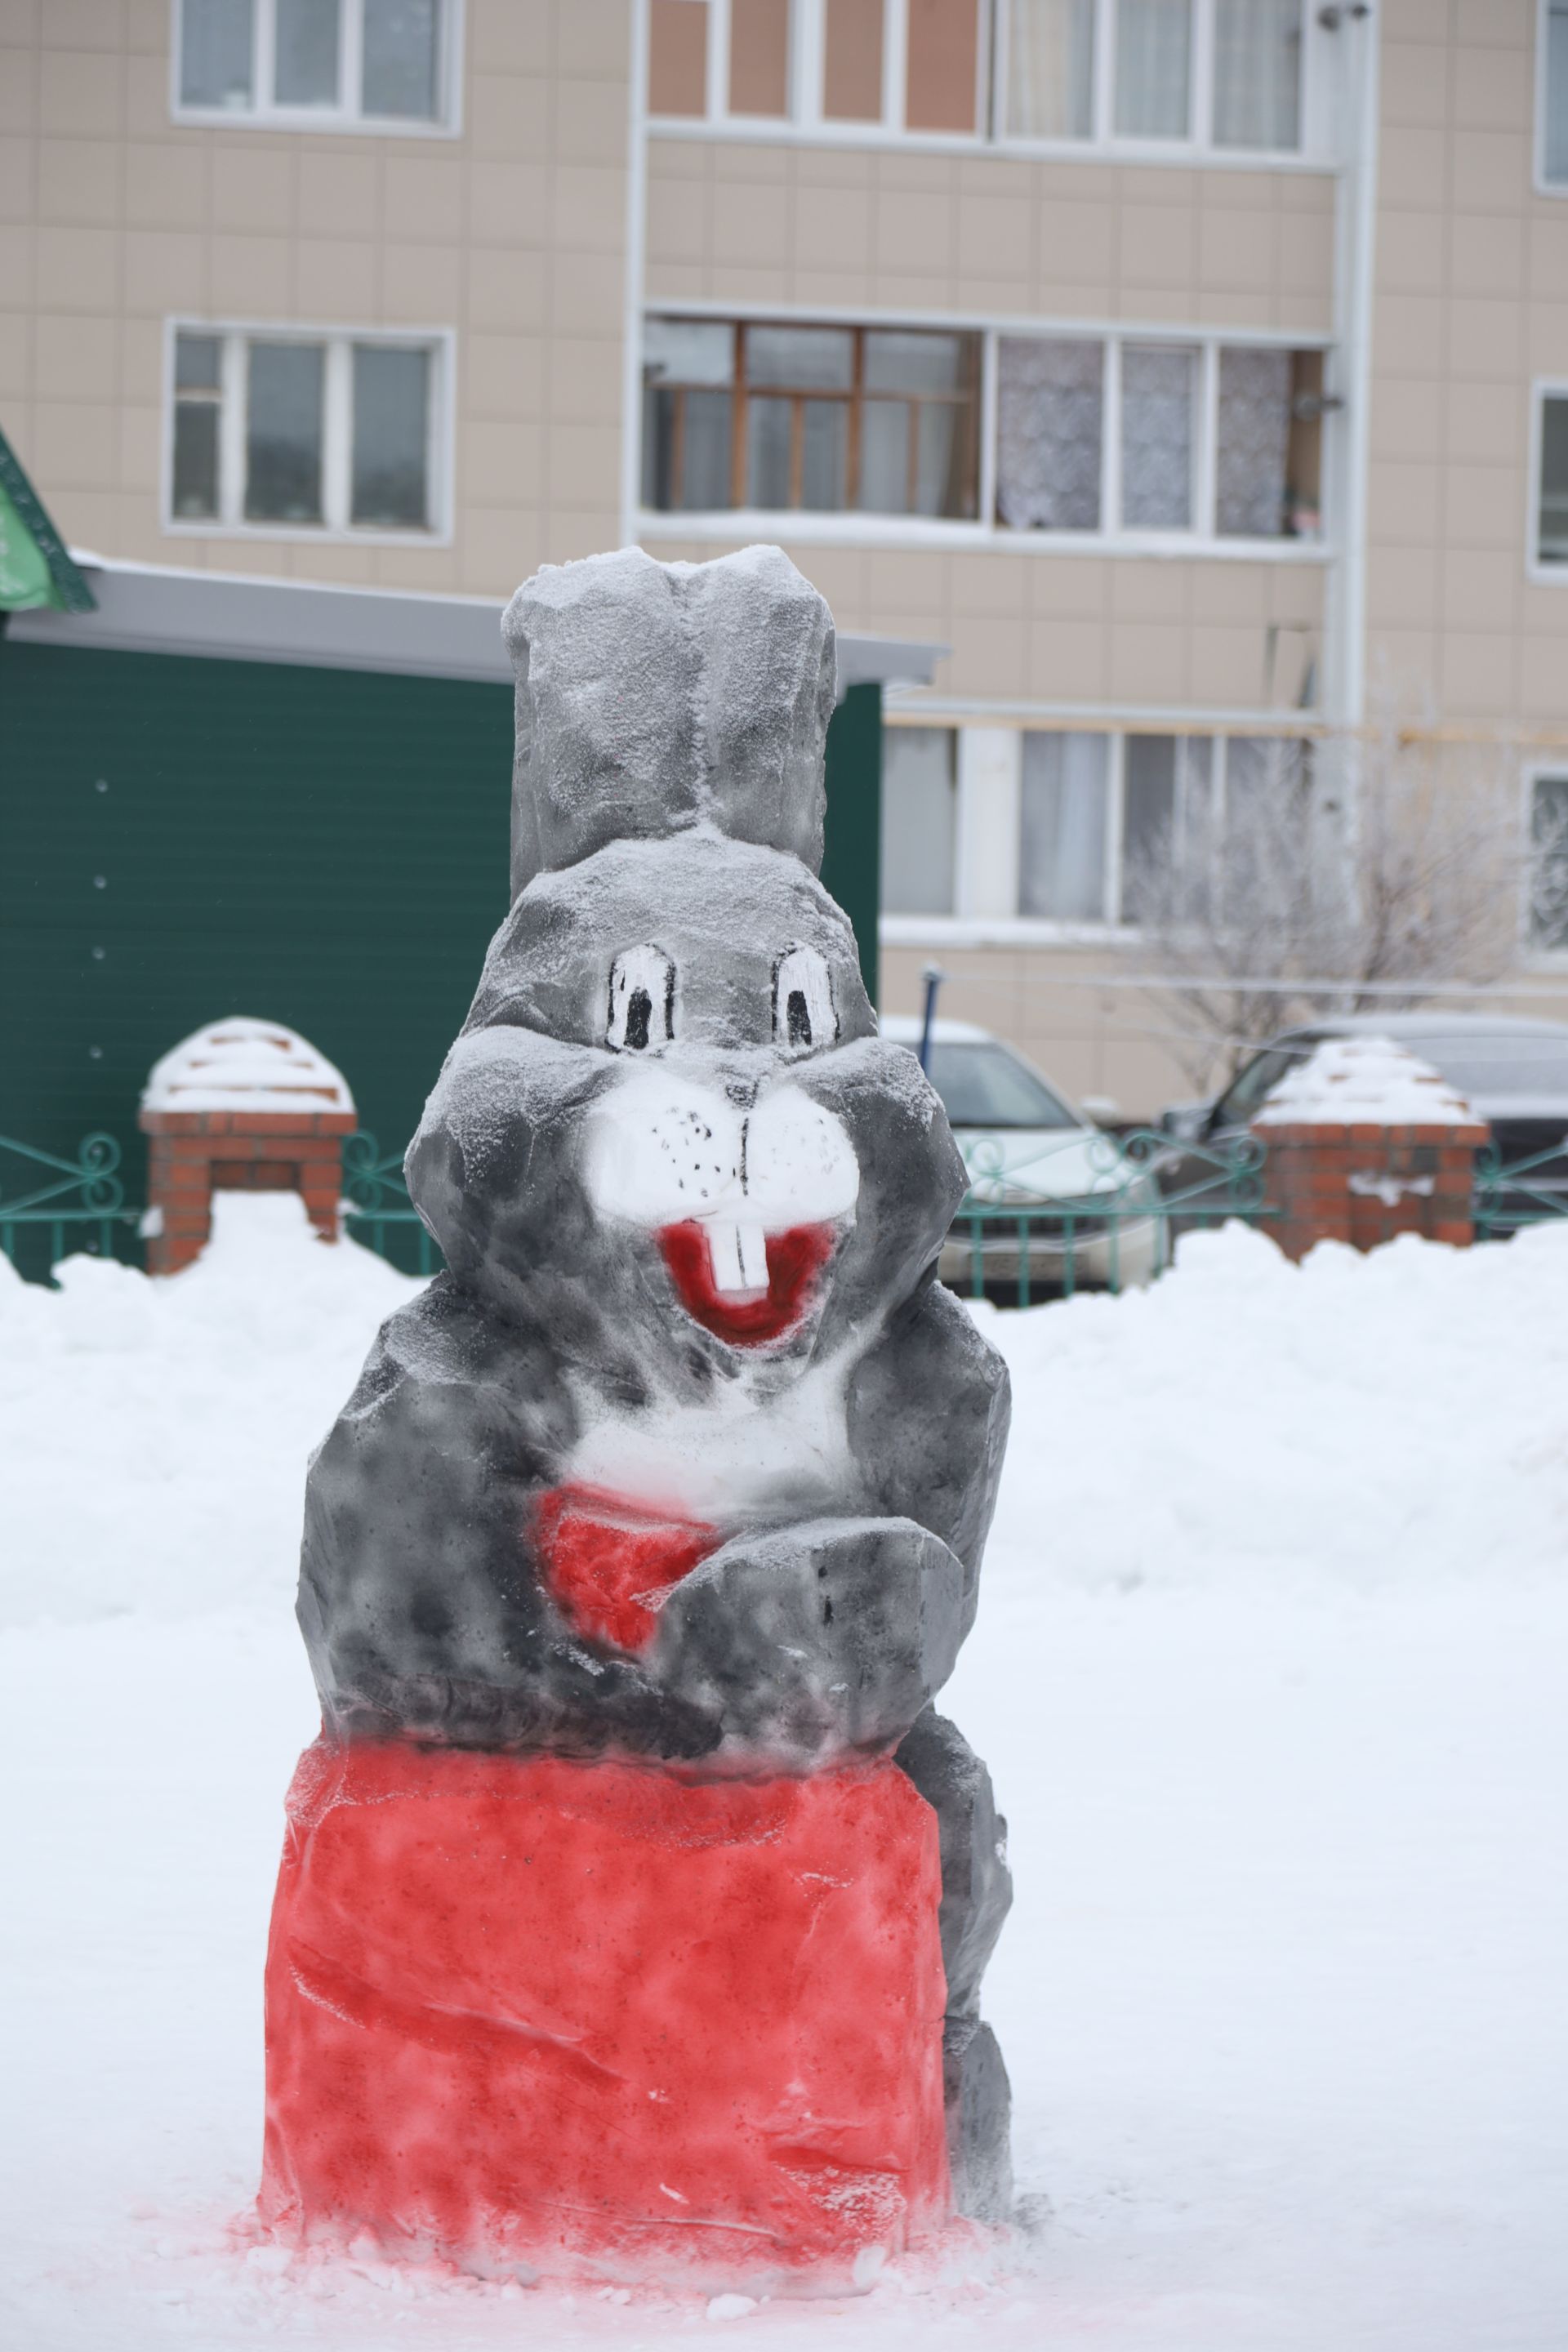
{"x": 655, "y": 696}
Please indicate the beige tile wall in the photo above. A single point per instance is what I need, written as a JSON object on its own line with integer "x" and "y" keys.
{"x": 988, "y": 234}
{"x": 1029, "y": 627}
{"x": 1471, "y": 304}
{"x": 112, "y": 218}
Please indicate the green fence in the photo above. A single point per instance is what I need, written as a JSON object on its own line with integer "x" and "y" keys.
{"x": 1100, "y": 1211}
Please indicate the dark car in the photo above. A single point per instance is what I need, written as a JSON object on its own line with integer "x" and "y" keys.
{"x": 1512, "y": 1073}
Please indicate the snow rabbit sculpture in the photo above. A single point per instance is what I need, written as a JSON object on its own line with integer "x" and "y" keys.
{"x": 635, "y": 1900}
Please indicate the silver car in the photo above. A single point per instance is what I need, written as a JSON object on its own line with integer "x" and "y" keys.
{"x": 1084, "y": 1217}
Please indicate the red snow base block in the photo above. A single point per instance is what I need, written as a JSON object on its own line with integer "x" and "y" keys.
{"x": 589, "y": 2018}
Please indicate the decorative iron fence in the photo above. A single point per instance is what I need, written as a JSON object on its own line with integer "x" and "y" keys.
{"x": 71, "y": 1205}
{"x": 1091, "y": 1211}
{"x": 378, "y": 1212}
{"x": 1531, "y": 1191}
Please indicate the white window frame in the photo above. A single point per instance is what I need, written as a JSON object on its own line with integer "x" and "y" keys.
{"x": 804, "y": 119}
{"x": 1542, "y": 389}
{"x": 334, "y": 529}
{"x": 977, "y": 877}
{"x": 920, "y": 530}
{"x": 1543, "y": 187}
{"x": 262, "y": 114}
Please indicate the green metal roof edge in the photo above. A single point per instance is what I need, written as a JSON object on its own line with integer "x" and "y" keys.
{"x": 74, "y": 593}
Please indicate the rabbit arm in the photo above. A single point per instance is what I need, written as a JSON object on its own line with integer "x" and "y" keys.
{"x": 810, "y": 1641}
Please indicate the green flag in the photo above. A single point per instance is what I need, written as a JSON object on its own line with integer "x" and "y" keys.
{"x": 35, "y": 569}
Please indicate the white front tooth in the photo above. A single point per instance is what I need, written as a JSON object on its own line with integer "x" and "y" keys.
{"x": 738, "y": 1255}
{"x": 753, "y": 1251}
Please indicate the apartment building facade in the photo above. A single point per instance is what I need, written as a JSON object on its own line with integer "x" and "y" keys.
{"x": 1196, "y": 370}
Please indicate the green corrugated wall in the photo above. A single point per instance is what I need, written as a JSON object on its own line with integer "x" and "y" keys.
{"x": 181, "y": 839}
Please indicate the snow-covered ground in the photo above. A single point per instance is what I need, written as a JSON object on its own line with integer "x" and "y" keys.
{"x": 1270, "y": 1670}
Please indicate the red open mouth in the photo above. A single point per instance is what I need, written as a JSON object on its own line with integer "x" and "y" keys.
{"x": 747, "y": 1319}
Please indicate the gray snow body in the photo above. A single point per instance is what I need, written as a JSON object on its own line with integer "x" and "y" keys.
{"x": 670, "y": 807}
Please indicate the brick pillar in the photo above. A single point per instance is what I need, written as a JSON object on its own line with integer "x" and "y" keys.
{"x": 192, "y": 1154}
{"x": 241, "y": 1106}
{"x": 1363, "y": 1182}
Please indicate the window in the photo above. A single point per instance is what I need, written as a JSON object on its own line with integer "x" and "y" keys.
{"x": 818, "y": 419}
{"x": 1094, "y": 827}
{"x": 297, "y": 433}
{"x": 1055, "y": 400}
{"x": 1552, "y": 481}
{"x": 1064, "y": 827}
{"x": 1547, "y": 895}
{"x": 1226, "y": 75}
{"x": 319, "y": 64}
{"x": 822, "y": 65}
{"x": 1551, "y": 95}
{"x": 919, "y": 809}
{"x": 1047, "y": 89}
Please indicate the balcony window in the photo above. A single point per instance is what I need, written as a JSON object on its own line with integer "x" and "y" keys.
{"x": 1064, "y": 827}
{"x": 1049, "y": 74}
{"x": 1552, "y": 482}
{"x": 823, "y": 65}
{"x": 303, "y": 433}
{"x": 1257, "y": 441}
{"x": 1050, "y": 407}
{"x": 1548, "y": 893}
{"x": 318, "y": 64}
{"x": 920, "y": 814}
{"x": 1257, "y": 73}
{"x": 815, "y": 419}
{"x": 1158, "y": 396}
{"x": 1153, "y": 60}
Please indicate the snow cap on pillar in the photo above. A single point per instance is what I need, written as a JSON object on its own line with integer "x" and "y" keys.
{"x": 652, "y": 698}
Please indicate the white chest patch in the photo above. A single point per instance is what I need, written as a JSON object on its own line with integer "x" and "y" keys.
{"x": 748, "y": 1450}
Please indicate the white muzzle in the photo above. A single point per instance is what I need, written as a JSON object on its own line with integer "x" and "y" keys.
{"x": 664, "y": 1152}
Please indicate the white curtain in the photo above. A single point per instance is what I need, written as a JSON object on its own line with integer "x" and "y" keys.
{"x": 1062, "y": 827}
{"x": 1257, "y": 73}
{"x": 1049, "y": 407}
{"x": 1159, "y": 382}
{"x": 1153, "y": 56}
{"x": 920, "y": 807}
{"x": 1254, "y": 430}
{"x": 1051, "y": 68}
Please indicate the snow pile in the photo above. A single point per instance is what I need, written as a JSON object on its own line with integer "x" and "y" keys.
{"x": 154, "y": 1436}
{"x": 1353, "y": 1420}
{"x": 1369, "y": 1080}
{"x": 245, "y": 1065}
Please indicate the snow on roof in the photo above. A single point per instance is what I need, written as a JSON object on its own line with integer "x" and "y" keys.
{"x": 242, "y": 1064}
{"x": 1366, "y": 1079}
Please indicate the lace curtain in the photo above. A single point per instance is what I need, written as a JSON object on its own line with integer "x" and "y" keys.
{"x": 1051, "y": 68}
{"x": 1158, "y": 381}
{"x": 1049, "y": 404}
{"x": 1253, "y": 443}
{"x": 919, "y": 810}
{"x": 1257, "y": 73}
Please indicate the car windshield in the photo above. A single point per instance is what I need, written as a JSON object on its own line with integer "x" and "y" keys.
{"x": 1492, "y": 1067}
{"x": 985, "y": 1085}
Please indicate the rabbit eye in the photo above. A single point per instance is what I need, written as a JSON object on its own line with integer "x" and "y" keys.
{"x": 642, "y": 1001}
{"x": 804, "y": 1016}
